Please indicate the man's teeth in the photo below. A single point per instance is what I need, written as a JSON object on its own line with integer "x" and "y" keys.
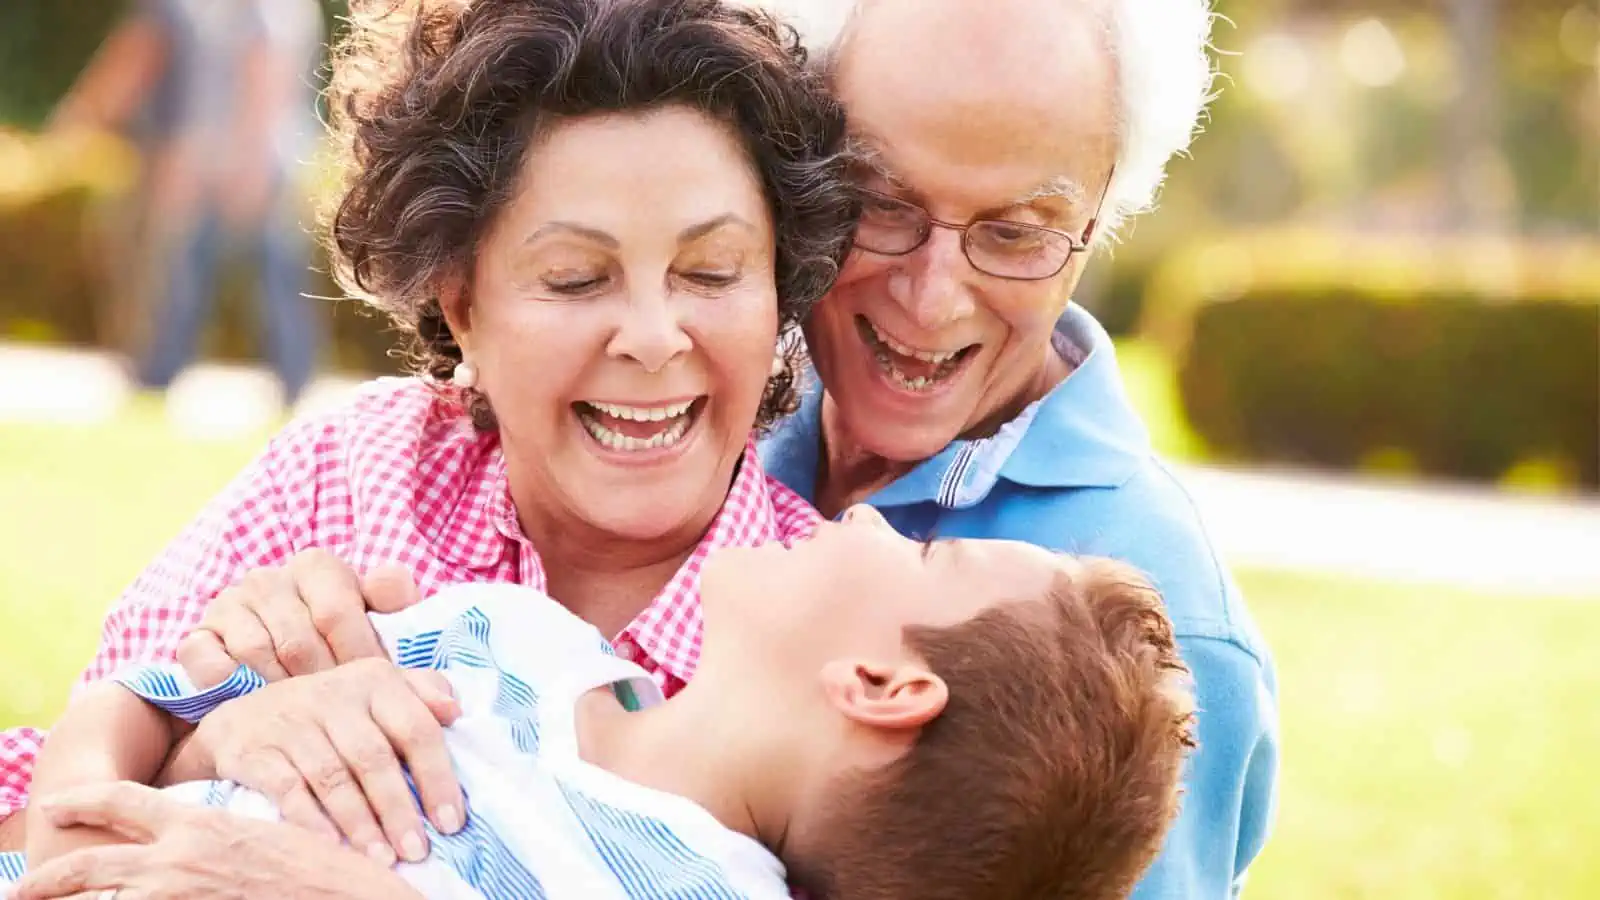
{"x": 882, "y": 346}
{"x": 924, "y": 355}
{"x": 643, "y": 413}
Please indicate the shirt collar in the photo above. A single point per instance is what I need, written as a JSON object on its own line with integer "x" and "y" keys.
{"x": 461, "y": 483}
{"x": 1084, "y": 433}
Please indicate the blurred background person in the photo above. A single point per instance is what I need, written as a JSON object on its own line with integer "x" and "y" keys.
{"x": 218, "y": 98}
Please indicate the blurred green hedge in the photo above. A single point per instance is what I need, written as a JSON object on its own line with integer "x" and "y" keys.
{"x": 53, "y": 192}
{"x": 1457, "y": 358}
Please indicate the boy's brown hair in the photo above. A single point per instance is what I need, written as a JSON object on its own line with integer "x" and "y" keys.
{"x": 1053, "y": 772}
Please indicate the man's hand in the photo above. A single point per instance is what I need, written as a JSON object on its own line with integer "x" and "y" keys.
{"x": 306, "y": 616}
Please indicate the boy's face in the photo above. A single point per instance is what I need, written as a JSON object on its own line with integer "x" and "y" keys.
{"x": 845, "y": 598}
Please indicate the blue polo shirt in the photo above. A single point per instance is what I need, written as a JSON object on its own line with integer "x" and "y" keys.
{"x": 1076, "y": 472}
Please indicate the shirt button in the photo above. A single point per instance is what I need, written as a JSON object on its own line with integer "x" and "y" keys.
{"x": 627, "y": 651}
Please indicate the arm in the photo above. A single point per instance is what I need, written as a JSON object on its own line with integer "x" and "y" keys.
{"x": 1230, "y": 788}
{"x": 117, "y": 79}
{"x": 106, "y": 734}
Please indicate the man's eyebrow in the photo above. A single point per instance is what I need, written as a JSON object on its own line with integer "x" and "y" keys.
{"x": 1060, "y": 186}
{"x": 864, "y": 151}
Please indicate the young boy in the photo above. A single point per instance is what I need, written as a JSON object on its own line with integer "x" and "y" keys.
{"x": 891, "y": 719}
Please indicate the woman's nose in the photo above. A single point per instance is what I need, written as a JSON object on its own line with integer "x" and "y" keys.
{"x": 650, "y": 334}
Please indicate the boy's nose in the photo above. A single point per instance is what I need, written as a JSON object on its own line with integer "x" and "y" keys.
{"x": 863, "y": 514}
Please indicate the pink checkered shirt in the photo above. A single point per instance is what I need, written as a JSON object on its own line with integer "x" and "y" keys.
{"x": 398, "y": 475}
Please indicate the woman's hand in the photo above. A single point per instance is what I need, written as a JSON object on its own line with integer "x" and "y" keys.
{"x": 305, "y": 616}
{"x": 181, "y": 851}
{"x": 330, "y": 746}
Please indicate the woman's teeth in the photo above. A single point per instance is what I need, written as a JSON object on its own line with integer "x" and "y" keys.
{"x": 643, "y": 413}
{"x": 618, "y": 427}
{"x": 928, "y": 368}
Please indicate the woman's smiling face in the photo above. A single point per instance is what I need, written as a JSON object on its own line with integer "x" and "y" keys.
{"x": 623, "y": 317}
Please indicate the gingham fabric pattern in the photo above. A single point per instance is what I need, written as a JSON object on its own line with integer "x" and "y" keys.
{"x": 397, "y": 475}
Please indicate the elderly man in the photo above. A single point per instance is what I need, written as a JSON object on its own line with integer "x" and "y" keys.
{"x": 964, "y": 396}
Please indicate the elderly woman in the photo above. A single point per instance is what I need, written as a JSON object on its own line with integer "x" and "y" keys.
{"x": 595, "y": 221}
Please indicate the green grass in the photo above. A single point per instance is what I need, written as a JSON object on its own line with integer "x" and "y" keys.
{"x": 1437, "y": 743}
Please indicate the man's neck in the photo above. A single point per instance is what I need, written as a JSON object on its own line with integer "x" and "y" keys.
{"x": 692, "y": 746}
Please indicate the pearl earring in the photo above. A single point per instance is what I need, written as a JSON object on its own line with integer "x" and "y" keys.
{"x": 465, "y": 376}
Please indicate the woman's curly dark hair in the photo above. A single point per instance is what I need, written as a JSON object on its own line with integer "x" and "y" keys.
{"x": 435, "y": 103}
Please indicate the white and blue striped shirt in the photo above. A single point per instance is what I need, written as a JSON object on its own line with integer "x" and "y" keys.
{"x": 541, "y": 822}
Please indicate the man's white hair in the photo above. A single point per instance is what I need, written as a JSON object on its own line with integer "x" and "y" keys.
{"x": 1164, "y": 74}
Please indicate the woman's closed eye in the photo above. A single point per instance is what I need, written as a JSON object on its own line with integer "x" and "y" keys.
{"x": 573, "y": 284}
{"x": 713, "y": 277}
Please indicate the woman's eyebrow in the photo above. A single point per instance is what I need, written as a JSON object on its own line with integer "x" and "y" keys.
{"x": 594, "y": 234}
{"x": 695, "y": 232}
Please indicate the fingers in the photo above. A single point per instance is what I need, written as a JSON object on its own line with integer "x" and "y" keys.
{"x": 421, "y": 744}
{"x": 269, "y": 771}
{"x": 435, "y": 692}
{"x": 316, "y": 766}
{"x": 296, "y": 642}
{"x": 243, "y": 637}
{"x": 133, "y": 811}
{"x": 389, "y": 588}
{"x": 366, "y": 753}
{"x": 336, "y": 605}
{"x": 86, "y": 871}
{"x": 205, "y": 659}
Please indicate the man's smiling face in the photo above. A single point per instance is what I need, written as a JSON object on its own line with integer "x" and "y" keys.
{"x": 969, "y": 115}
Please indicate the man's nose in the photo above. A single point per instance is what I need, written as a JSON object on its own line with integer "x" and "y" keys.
{"x": 933, "y": 285}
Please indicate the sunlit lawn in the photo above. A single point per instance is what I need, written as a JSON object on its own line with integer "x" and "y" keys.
{"x": 1437, "y": 743}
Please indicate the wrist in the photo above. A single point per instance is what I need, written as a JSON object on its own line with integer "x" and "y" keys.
{"x": 190, "y": 760}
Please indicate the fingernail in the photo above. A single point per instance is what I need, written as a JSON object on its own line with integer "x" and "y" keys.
{"x": 411, "y": 847}
{"x": 449, "y": 819}
{"x": 382, "y": 853}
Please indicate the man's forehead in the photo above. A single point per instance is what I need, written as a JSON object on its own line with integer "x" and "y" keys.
{"x": 873, "y": 153}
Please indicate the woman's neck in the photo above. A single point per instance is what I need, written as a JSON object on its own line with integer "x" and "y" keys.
{"x": 604, "y": 578}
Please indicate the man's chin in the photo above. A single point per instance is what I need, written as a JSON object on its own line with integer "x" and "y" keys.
{"x": 897, "y": 439}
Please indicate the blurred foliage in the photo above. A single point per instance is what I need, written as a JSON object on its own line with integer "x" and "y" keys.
{"x": 1465, "y": 359}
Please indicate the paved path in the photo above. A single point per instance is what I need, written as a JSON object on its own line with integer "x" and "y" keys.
{"x": 1427, "y": 534}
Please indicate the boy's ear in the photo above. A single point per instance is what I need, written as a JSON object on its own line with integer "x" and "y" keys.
{"x": 893, "y": 696}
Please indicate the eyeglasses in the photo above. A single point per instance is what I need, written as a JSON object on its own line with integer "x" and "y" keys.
{"x": 1013, "y": 250}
